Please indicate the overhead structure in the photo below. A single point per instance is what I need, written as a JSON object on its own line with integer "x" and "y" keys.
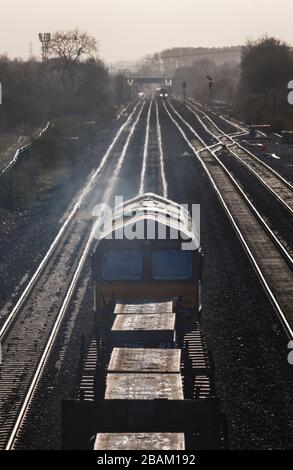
{"x": 45, "y": 39}
{"x": 162, "y": 81}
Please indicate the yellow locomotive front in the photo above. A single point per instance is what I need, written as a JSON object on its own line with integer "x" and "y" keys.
{"x": 151, "y": 250}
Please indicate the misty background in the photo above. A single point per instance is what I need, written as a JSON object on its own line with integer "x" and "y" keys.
{"x": 130, "y": 29}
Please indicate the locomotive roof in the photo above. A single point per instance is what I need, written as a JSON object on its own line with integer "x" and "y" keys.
{"x": 153, "y": 207}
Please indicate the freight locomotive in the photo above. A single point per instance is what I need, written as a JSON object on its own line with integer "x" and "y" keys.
{"x": 147, "y": 381}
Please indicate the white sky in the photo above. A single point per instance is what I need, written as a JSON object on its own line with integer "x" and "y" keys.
{"x": 129, "y": 29}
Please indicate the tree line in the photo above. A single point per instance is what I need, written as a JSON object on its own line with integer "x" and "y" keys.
{"x": 265, "y": 70}
{"x": 73, "y": 81}
{"x": 251, "y": 79}
{"x": 74, "y": 90}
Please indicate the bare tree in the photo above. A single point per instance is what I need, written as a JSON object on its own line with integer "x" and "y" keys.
{"x": 70, "y": 47}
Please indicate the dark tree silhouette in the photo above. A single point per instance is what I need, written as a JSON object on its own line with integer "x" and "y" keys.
{"x": 70, "y": 47}
{"x": 265, "y": 64}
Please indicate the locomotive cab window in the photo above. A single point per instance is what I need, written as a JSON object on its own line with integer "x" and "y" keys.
{"x": 122, "y": 265}
{"x": 171, "y": 265}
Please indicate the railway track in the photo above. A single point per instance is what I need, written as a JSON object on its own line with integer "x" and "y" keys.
{"x": 145, "y": 151}
{"x": 30, "y": 329}
{"x": 124, "y": 111}
{"x": 212, "y": 127}
{"x": 28, "y": 355}
{"x": 29, "y": 332}
{"x": 233, "y": 125}
{"x": 23, "y": 149}
{"x": 151, "y": 179}
{"x": 275, "y": 183}
{"x": 274, "y": 211}
{"x": 271, "y": 261}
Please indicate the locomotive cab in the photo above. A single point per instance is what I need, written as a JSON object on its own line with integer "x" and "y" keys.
{"x": 150, "y": 250}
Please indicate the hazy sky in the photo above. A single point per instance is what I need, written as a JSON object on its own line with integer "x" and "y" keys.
{"x": 129, "y": 29}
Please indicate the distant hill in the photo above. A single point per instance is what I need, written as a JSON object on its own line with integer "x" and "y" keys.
{"x": 186, "y": 56}
{"x": 168, "y": 60}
